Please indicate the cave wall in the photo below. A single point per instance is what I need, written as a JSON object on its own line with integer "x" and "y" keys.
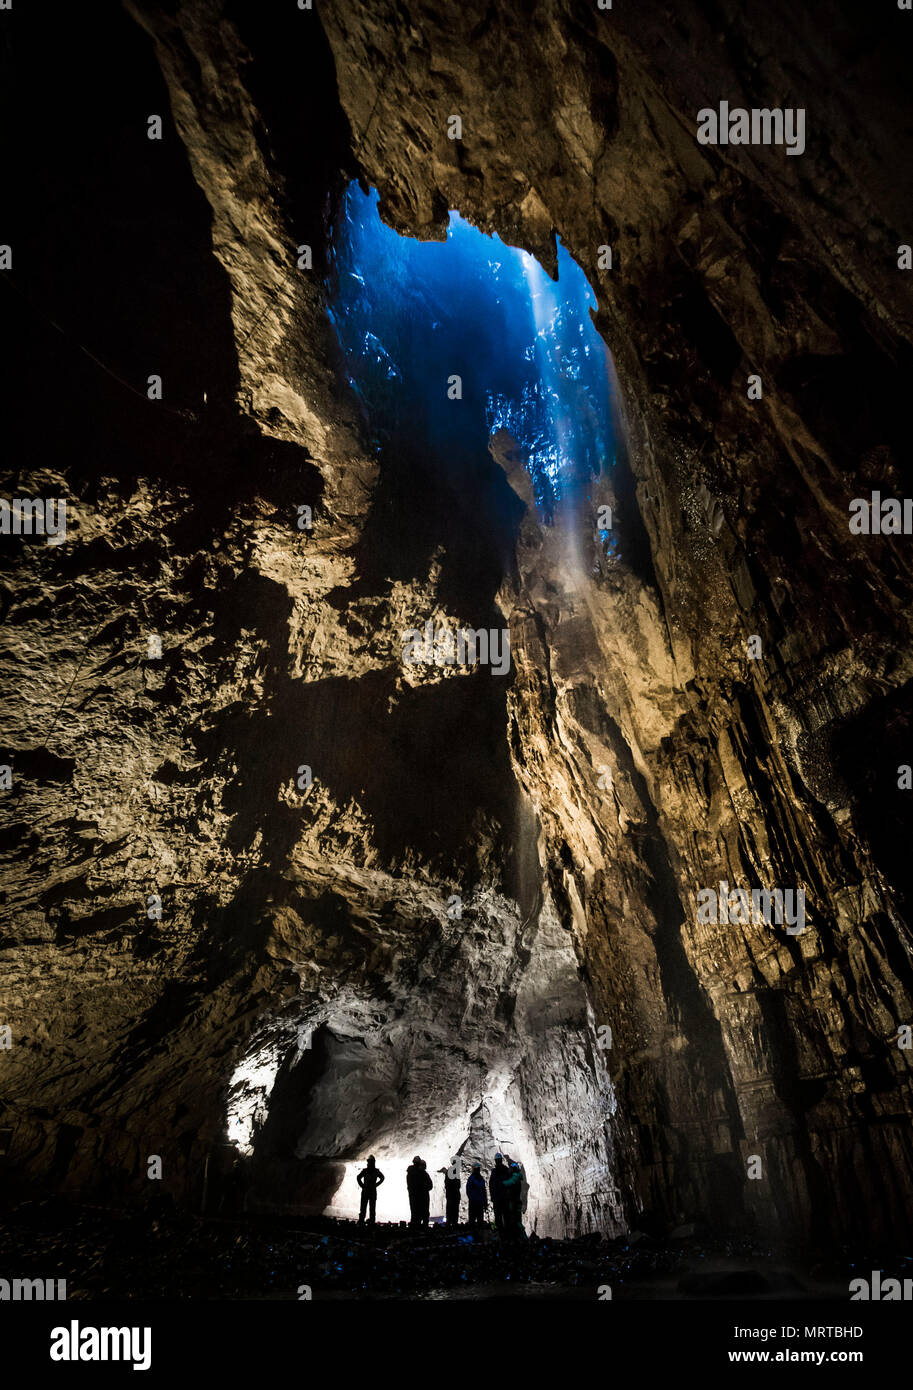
{"x": 305, "y": 945}
{"x": 726, "y": 262}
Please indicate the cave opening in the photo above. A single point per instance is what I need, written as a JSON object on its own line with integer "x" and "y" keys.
{"x": 447, "y": 343}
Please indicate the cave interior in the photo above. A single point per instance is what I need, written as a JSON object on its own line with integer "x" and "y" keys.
{"x": 276, "y": 897}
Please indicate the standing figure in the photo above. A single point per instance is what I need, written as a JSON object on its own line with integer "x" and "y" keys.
{"x": 418, "y": 1185}
{"x": 512, "y": 1188}
{"x": 496, "y": 1188}
{"x": 477, "y": 1198}
{"x": 452, "y": 1192}
{"x": 369, "y": 1180}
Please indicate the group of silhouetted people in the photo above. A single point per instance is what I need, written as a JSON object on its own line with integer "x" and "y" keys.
{"x": 506, "y": 1188}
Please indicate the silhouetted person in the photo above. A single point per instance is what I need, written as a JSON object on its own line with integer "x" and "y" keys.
{"x": 524, "y": 1191}
{"x": 418, "y": 1185}
{"x": 452, "y": 1187}
{"x": 513, "y": 1192}
{"x": 477, "y": 1197}
{"x": 524, "y": 1185}
{"x": 369, "y": 1180}
{"x": 496, "y": 1188}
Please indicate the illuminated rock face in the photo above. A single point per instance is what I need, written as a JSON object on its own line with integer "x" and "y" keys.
{"x": 310, "y": 990}
{"x": 395, "y": 1064}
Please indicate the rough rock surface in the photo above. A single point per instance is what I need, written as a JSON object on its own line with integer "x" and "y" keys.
{"x": 306, "y": 984}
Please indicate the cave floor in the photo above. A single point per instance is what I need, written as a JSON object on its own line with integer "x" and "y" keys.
{"x": 105, "y": 1253}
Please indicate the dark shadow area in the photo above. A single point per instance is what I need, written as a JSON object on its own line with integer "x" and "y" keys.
{"x": 292, "y": 78}
{"x": 289, "y": 1100}
{"x": 162, "y": 1253}
{"x": 870, "y": 750}
{"x": 112, "y": 255}
{"x": 428, "y": 765}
